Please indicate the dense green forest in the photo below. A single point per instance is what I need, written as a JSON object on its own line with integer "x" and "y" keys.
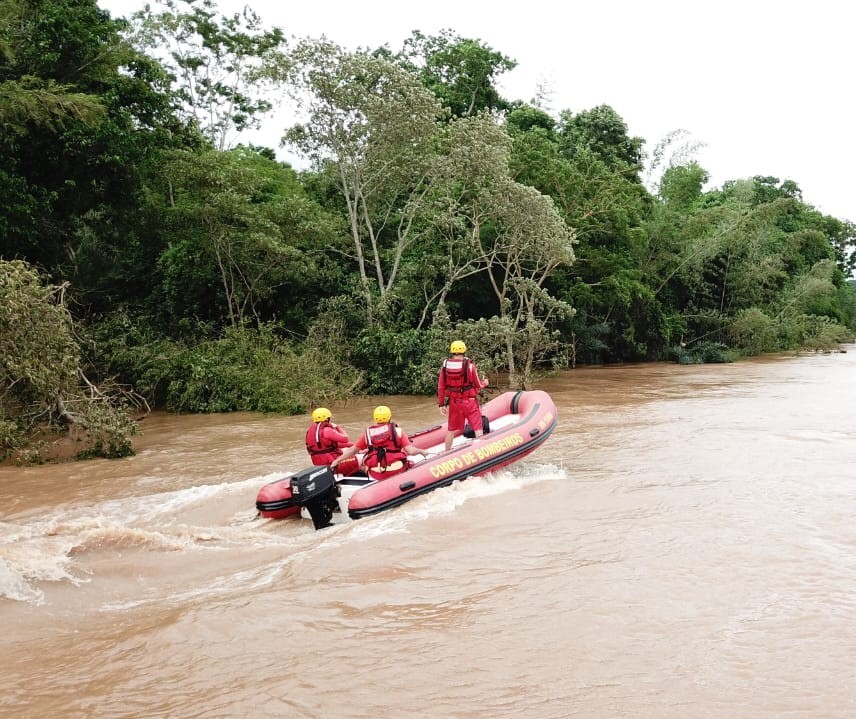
{"x": 149, "y": 260}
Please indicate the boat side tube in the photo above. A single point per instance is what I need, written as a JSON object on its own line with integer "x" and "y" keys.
{"x": 536, "y": 422}
{"x": 274, "y": 500}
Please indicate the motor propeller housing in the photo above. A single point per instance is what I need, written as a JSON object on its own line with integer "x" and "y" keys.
{"x": 316, "y": 490}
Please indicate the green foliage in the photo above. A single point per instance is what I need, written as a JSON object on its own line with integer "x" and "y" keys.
{"x": 189, "y": 285}
{"x": 534, "y": 349}
{"x": 390, "y": 358}
{"x": 44, "y": 103}
{"x": 392, "y": 361}
{"x": 747, "y": 264}
{"x": 12, "y": 435}
{"x": 425, "y": 217}
{"x": 107, "y": 431}
{"x": 374, "y": 128}
{"x": 754, "y": 332}
{"x": 602, "y": 132}
{"x": 244, "y": 369}
{"x": 85, "y": 114}
{"x": 703, "y": 353}
{"x": 676, "y": 149}
{"x": 812, "y": 293}
{"x": 461, "y": 72}
{"x": 524, "y": 118}
{"x": 510, "y": 233}
{"x": 590, "y": 174}
{"x": 38, "y": 353}
{"x": 133, "y": 350}
{"x": 586, "y": 340}
{"x": 847, "y": 304}
{"x": 239, "y": 224}
{"x": 39, "y": 370}
{"x": 823, "y": 334}
{"x": 681, "y": 186}
{"x": 842, "y": 237}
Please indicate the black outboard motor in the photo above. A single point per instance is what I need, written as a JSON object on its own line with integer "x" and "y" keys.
{"x": 315, "y": 488}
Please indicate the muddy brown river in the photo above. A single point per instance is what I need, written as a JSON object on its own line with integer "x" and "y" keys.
{"x": 683, "y": 546}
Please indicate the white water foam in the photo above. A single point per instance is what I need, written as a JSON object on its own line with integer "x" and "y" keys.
{"x": 302, "y": 539}
{"x": 446, "y": 500}
{"x": 24, "y": 561}
{"x": 45, "y": 550}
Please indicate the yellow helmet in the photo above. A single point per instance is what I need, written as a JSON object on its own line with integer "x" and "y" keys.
{"x": 457, "y": 347}
{"x": 382, "y": 414}
{"x": 322, "y": 414}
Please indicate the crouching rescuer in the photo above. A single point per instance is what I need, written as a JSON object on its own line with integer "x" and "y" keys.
{"x": 386, "y": 446}
{"x": 325, "y": 442}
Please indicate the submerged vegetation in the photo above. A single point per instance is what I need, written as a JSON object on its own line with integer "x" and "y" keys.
{"x": 147, "y": 261}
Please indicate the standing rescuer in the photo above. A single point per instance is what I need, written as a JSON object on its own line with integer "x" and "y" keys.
{"x": 458, "y": 387}
{"x": 325, "y": 441}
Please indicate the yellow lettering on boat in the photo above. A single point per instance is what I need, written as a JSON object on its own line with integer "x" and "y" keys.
{"x": 545, "y": 420}
{"x": 499, "y": 446}
{"x": 446, "y": 467}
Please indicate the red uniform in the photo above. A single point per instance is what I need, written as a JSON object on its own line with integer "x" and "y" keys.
{"x": 384, "y": 446}
{"x": 459, "y": 385}
{"x": 324, "y": 442}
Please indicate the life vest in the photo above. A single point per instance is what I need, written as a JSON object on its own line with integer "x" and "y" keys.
{"x": 322, "y": 449}
{"x": 383, "y": 448}
{"x": 456, "y": 377}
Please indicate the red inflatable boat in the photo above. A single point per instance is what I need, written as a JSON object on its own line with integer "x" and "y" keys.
{"x": 517, "y": 423}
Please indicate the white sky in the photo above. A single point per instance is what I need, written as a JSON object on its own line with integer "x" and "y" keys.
{"x": 766, "y": 85}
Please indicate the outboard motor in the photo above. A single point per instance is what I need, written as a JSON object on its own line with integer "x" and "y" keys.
{"x": 315, "y": 488}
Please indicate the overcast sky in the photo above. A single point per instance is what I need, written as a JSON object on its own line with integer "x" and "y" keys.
{"x": 767, "y": 86}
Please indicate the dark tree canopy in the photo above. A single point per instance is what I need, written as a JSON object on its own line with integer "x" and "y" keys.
{"x": 462, "y": 72}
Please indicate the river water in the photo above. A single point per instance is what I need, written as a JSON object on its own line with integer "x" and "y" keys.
{"x": 684, "y": 545}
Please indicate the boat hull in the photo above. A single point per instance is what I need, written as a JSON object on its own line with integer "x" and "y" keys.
{"x": 534, "y": 419}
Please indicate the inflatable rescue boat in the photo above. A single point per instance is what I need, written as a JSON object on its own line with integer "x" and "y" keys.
{"x": 515, "y": 424}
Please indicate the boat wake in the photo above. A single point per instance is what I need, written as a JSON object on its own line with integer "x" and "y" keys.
{"x": 54, "y": 547}
{"x": 49, "y": 548}
{"x": 447, "y": 499}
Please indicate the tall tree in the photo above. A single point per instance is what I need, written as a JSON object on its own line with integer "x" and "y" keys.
{"x": 530, "y": 243}
{"x": 510, "y": 232}
{"x": 221, "y": 64}
{"x": 374, "y": 127}
{"x": 586, "y": 172}
{"x": 749, "y": 264}
{"x": 682, "y": 185}
{"x": 602, "y": 132}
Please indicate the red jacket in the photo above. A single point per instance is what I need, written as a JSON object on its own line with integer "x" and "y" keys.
{"x": 458, "y": 378}
{"x": 324, "y": 441}
{"x": 384, "y": 445}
